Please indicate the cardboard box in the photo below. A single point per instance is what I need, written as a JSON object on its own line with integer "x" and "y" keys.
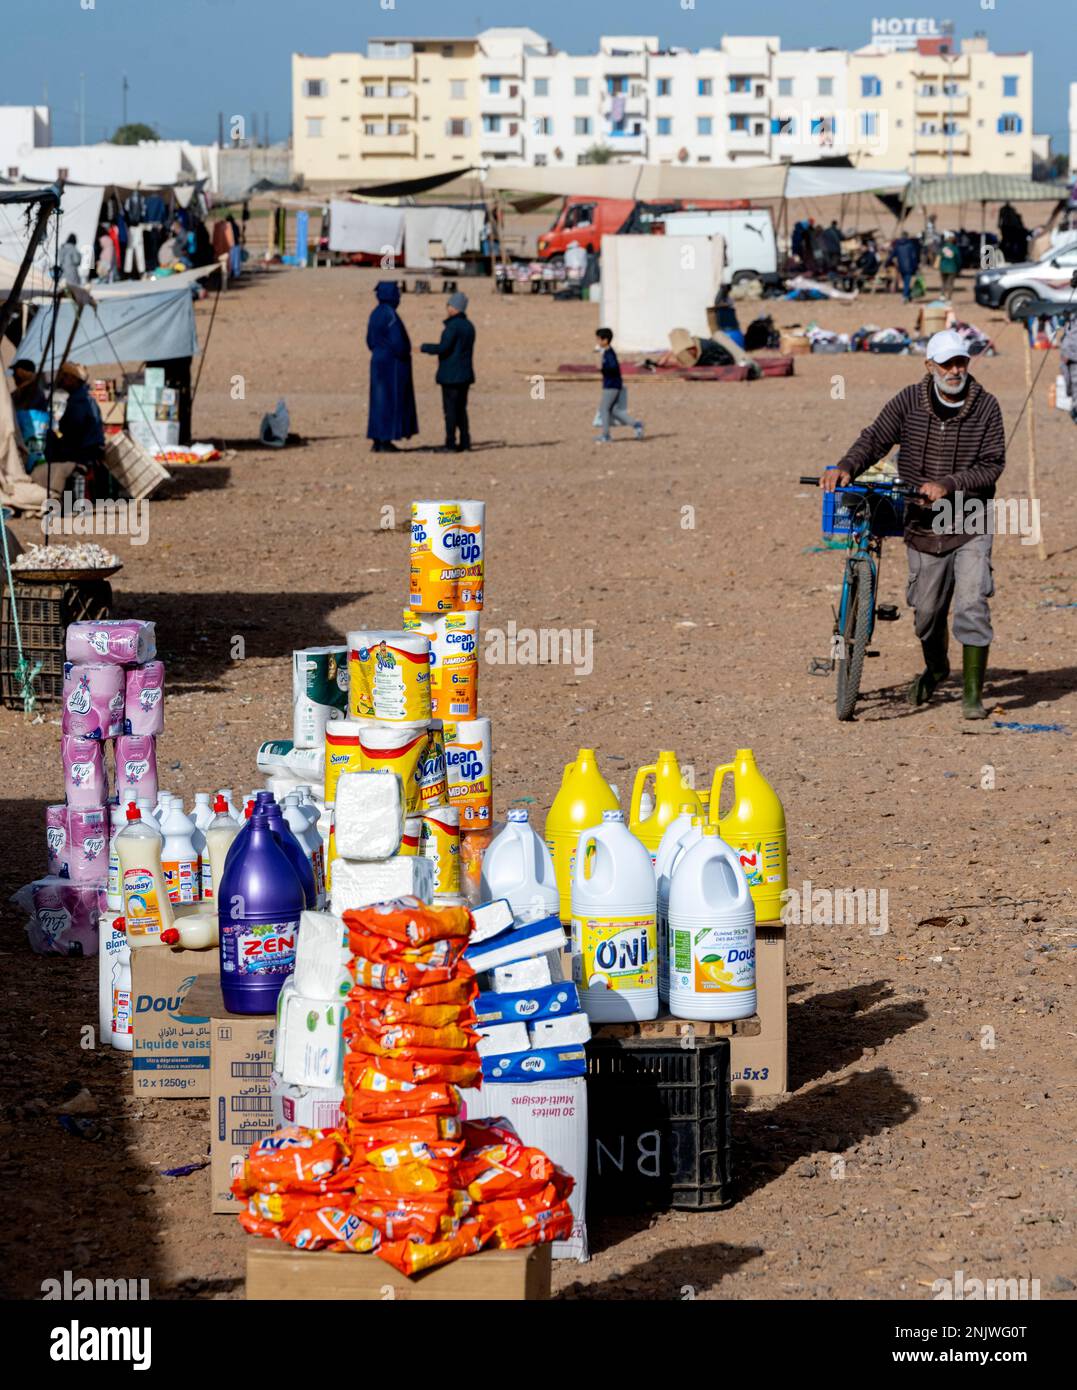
{"x": 276, "y": 1271}
{"x": 551, "y": 1116}
{"x": 170, "y": 1056}
{"x": 760, "y": 1064}
{"x": 240, "y": 1106}
{"x": 311, "y": 1107}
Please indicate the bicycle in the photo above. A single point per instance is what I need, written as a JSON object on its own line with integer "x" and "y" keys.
{"x": 867, "y": 512}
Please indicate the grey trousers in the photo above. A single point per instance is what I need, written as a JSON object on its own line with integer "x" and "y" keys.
{"x": 963, "y": 579}
{"x": 613, "y": 409}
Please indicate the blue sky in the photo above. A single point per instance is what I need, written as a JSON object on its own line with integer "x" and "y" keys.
{"x": 187, "y": 61}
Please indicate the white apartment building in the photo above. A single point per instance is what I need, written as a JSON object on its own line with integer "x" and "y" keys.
{"x": 23, "y": 129}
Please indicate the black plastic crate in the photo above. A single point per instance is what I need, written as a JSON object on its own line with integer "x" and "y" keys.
{"x": 659, "y": 1121}
{"x": 44, "y": 612}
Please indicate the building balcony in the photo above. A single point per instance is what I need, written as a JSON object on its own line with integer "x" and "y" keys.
{"x": 501, "y": 105}
{"x": 633, "y": 105}
{"x": 380, "y": 141}
{"x": 501, "y": 67}
{"x": 942, "y": 105}
{"x": 747, "y": 142}
{"x": 388, "y": 107}
{"x": 745, "y": 104}
{"x": 626, "y": 143}
{"x": 938, "y": 143}
{"x": 623, "y": 65}
{"x": 932, "y": 65}
{"x": 501, "y": 142}
{"x": 382, "y": 70}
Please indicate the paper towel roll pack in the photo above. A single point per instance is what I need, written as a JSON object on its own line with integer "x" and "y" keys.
{"x": 64, "y": 917}
{"x": 342, "y": 753}
{"x": 136, "y": 767}
{"x": 454, "y": 661}
{"x": 85, "y": 775}
{"x": 56, "y": 837}
{"x": 469, "y": 764}
{"x": 93, "y": 699}
{"x": 87, "y": 844}
{"x": 398, "y": 748}
{"x": 447, "y": 556}
{"x": 389, "y": 676}
{"x": 319, "y": 692}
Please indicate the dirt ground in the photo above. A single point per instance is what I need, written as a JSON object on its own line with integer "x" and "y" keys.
{"x": 934, "y": 1060}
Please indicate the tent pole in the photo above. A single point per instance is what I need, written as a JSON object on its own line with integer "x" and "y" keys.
{"x": 1041, "y": 549}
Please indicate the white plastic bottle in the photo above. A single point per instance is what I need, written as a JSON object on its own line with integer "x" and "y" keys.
{"x": 614, "y": 946}
{"x": 684, "y": 830}
{"x": 111, "y": 943}
{"x": 309, "y": 839}
{"x": 223, "y": 829}
{"x": 179, "y": 857}
{"x": 711, "y": 933}
{"x": 233, "y": 809}
{"x": 202, "y": 811}
{"x": 149, "y": 814}
{"x": 163, "y": 800}
{"x": 113, "y": 891}
{"x": 146, "y": 907}
{"x": 121, "y": 1024}
{"x": 518, "y": 866}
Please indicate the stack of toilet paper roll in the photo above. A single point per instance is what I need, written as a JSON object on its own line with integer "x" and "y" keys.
{"x": 113, "y": 694}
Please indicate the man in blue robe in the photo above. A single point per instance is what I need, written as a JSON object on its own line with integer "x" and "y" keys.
{"x": 392, "y": 394}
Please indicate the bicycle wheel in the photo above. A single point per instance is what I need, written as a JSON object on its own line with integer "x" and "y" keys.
{"x": 855, "y": 632}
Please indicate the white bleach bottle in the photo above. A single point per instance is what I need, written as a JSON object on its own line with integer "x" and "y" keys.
{"x": 310, "y": 842}
{"x": 517, "y": 866}
{"x": 711, "y": 933}
{"x": 180, "y": 859}
{"x": 614, "y": 945}
{"x": 112, "y": 943}
{"x": 121, "y": 1017}
{"x": 114, "y": 889}
{"x": 233, "y": 810}
{"x": 202, "y": 811}
{"x": 149, "y": 815}
{"x": 681, "y": 833}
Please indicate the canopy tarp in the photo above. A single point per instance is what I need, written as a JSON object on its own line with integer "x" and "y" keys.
{"x": 981, "y": 188}
{"x": 408, "y": 188}
{"x": 663, "y": 182}
{"x": 80, "y": 212}
{"x": 145, "y": 327}
{"x": 458, "y": 229}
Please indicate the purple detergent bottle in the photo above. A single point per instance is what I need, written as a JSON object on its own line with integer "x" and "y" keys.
{"x": 292, "y": 848}
{"x": 258, "y": 908}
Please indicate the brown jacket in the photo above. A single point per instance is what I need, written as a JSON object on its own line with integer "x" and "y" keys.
{"x": 964, "y": 454}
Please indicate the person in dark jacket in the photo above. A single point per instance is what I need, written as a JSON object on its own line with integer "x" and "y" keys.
{"x": 953, "y": 449}
{"x": 455, "y": 373}
{"x": 905, "y": 254}
{"x": 77, "y": 445}
{"x": 392, "y": 412}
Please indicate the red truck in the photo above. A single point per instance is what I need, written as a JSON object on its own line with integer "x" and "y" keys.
{"x": 588, "y": 220}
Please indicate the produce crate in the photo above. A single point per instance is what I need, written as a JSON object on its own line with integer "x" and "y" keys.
{"x": 137, "y": 472}
{"x": 838, "y": 514}
{"x": 660, "y": 1124}
{"x": 44, "y": 612}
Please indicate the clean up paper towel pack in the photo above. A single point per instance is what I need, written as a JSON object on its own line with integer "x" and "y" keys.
{"x": 359, "y": 885}
{"x": 369, "y": 815}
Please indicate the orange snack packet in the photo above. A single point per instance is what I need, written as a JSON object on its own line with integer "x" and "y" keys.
{"x": 394, "y": 1009}
{"x": 410, "y": 923}
{"x": 426, "y": 1129}
{"x": 362, "y": 1044}
{"x": 528, "y": 1228}
{"x": 409, "y": 1035}
{"x": 410, "y": 1257}
{"x": 297, "y": 1160}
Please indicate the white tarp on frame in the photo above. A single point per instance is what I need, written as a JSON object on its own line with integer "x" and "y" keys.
{"x": 150, "y": 327}
{"x": 458, "y": 229}
{"x": 652, "y": 284}
{"x": 80, "y": 212}
{"x": 365, "y": 228}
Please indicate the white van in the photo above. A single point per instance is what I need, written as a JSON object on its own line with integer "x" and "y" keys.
{"x": 750, "y": 248}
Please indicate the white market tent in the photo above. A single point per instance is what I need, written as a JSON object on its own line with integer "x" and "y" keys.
{"x": 80, "y": 212}
{"x": 133, "y": 326}
{"x": 663, "y": 182}
{"x": 378, "y": 230}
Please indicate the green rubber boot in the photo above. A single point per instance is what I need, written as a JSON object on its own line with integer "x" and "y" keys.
{"x": 974, "y": 665}
{"x": 936, "y": 669}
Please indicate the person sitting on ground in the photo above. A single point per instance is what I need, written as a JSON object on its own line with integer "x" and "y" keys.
{"x": 952, "y": 441}
{"x": 77, "y": 444}
{"x": 455, "y": 373}
{"x": 613, "y": 403}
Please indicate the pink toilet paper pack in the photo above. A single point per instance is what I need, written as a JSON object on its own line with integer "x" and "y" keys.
{"x": 144, "y": 709}
{"x": 87, "y": 845}
{"x": 56, "y": 838}
{"x": 94, "y": 697}
{"x": 64, "y": 918}
{"x": 136, "y": 767}
{"x": 120, "y": 641}
{"x": 85, "y": 776}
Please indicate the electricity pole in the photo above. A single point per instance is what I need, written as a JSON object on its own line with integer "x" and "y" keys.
{"x": 125, "y": 98}
{"x": 82, "y": 108}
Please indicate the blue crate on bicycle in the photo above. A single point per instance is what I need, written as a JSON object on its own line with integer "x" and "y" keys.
{"x": 840, "y": 507}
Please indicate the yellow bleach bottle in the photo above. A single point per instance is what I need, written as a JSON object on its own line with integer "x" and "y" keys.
{"x": 670, "y": 796}
{"x": 754, "y": 830}
{"x": 583, "y": 796}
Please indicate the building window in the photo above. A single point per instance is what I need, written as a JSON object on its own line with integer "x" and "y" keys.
{"x": 899, "y": 123}
{"x": 785, "y": 86}
{"x": 314, "y": 87}
{"x": 739, "y": 123}
{"x": 1009, "y": 123}
{"x": 493, "y": 86}
{"x": 950, "y": 128}
{"x": 759, "y": 127}
{"x": 742, "y": 85}
{"x": 928, "y": 89}
{"x": 664, "y": 125}
{"x": 446, "y": 50}
{"x": 869, "y": 124}
{"x": 371, "y": 91}
{"x": 664, "y": 87}
{"x": 581, "y": 86}
{"x": 870, "y": 86}
{"x": 951, "y": 89}
{"x": 704, "y": 87}
{"x": 540, "y": 161}
{"x": 704, "y": 125}
{"x": 543, "y": 125}
{"x": 491, "y": 125}
{"x": 314, "y": 127}
{"x": 826, "y": 87}
{"x": 458, "y": 89}
{"x": 783, "y": 125}
{"x": 582, "y": 125}
{"x": 542, "y": 86}
{"x": 1009, "y": 86}
{"x": 457, "y": 128}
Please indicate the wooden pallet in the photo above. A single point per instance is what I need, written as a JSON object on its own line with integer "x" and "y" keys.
{"x": 667, "y": 1028}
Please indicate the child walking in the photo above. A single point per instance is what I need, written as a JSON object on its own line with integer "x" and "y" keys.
{"x": 613, "y": 407}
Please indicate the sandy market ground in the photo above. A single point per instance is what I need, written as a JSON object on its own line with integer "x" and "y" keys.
{"x": 957, "y": 1154}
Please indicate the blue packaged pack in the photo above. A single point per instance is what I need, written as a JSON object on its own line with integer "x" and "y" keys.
{"x": 550, "y": 1001}
{"x": 518, "y": 943}
{"x": 540, "y": 1064}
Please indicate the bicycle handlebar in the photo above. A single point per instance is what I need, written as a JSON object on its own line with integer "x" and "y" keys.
{"x": 810, "y": 482}
{"x": 883, "y": 485}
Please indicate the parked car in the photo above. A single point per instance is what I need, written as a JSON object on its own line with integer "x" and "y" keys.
{"x": 1013, "y": 286}
{"x": 587, "y": 220}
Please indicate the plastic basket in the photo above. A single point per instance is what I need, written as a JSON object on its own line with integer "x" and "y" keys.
{"x": 44, "y": 612}
{"x": 137, "y": 472}
{"x": 659, "y": 1124}
{"x": 840, "y": 508}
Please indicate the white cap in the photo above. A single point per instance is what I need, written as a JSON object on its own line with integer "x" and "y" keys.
{"x": 945, "y": 345}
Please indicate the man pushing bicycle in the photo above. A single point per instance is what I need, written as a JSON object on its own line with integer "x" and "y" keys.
{"x": 951, "y": 438}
